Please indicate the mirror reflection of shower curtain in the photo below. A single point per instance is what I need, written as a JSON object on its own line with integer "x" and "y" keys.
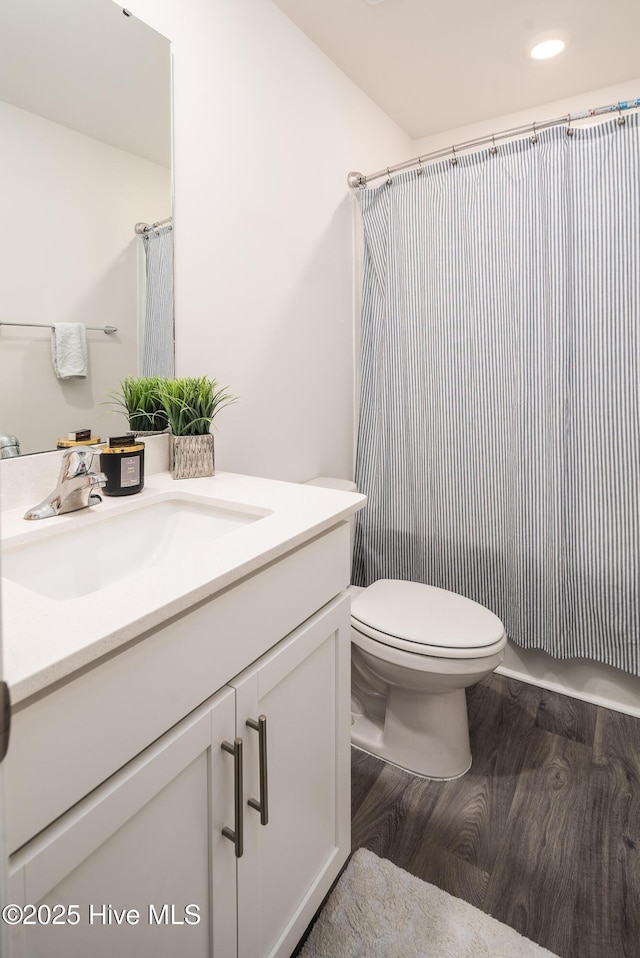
{"x": 158, "y": 352}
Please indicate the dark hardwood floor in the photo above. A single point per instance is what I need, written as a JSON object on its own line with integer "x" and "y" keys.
{"x": 543, "y": 832}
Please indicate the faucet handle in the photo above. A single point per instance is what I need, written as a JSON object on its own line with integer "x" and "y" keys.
{"x": 77, "y": 461}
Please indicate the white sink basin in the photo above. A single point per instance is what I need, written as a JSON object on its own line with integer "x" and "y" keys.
{"x": 79, "y": 561}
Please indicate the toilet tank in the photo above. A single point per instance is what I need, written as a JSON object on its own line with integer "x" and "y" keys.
{"x": 344, "y": 485}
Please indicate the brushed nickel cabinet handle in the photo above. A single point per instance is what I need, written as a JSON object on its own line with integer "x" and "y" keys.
{"x": 261, "y": 806}
{"x": 5, "y": 719}
{"x": 236, "y": 834}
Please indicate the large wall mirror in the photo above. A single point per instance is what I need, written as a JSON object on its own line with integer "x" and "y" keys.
{"x": 85, "y": 127}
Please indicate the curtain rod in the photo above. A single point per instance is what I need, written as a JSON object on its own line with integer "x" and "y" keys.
{"x": 148, "y": 227}
{"x": 360, "y": 180}
{"x": 103, "y": 329}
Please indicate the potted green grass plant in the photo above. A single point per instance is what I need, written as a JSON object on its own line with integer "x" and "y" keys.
{"x": 191, "y": 405}
{"x": 140, "y": 397}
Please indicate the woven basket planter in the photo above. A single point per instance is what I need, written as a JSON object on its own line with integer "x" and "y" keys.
{"x": 191, "y": 457}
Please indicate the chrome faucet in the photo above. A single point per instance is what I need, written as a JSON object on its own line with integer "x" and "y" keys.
{"x": 77, "y": 485}
{"x": 9, "y": 446}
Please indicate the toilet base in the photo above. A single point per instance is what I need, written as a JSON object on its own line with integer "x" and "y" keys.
{"x": 427, "y": 734}
{"x": 387, "y": 761}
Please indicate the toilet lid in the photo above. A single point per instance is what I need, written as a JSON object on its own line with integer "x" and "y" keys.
{"x": 425, "y": 619}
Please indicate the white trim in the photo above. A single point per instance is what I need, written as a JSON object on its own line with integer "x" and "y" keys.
{"x": 581, "y": 679}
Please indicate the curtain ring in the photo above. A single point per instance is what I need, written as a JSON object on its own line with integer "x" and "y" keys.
{"x": 389, "y": 180}
{"x": 420, "y": 170}
{"x": 534, "y": 137}
{"x": 621, "y": 118}
{"x": 493, "y": 149}
{"x": 454, "y": 158}
{"x": 570, "y": 130}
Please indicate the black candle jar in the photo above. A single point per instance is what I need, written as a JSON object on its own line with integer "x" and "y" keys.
{"x": 122, "y": 462}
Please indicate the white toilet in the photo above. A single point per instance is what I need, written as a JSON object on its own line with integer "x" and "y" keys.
{"x": 414, "y": 650}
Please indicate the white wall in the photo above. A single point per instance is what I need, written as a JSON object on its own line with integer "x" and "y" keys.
{"x": 575, "y": 104}
{"x": 68, "y": 254}
{"x": 266, "y": 130}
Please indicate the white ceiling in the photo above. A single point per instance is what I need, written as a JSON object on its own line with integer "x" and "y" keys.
{"x": 431, "y": 67}
{"x": 87, "y": 66}
{"x": 439, "y": 66}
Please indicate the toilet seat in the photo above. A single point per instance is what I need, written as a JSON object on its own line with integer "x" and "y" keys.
{"x": 425, "y": 620}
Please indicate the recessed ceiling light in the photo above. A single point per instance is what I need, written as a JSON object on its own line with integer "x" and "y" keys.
{"x": 546, "y": 49}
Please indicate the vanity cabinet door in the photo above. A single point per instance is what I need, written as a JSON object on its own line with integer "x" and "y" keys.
{"x": 302, "y": 689}
{"x": 140, "y": 867}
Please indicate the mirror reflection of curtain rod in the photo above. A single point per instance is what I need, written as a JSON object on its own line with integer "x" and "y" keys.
{"x": 103, "y": 329}
{"x": 148, "y": 227}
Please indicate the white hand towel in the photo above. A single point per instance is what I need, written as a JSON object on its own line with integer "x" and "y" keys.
{"x": 69, "y": 350}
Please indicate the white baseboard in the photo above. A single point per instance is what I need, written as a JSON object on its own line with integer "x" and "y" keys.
{"x": 579, "y": 678}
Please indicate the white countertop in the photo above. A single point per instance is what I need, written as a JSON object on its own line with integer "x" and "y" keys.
{"x": 48, "y": 639}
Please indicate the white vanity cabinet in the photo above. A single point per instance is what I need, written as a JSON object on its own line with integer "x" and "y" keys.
{"x": 143, "y": 858}
{"x": 121, "y": 871}
{"x": 302, "y": 690}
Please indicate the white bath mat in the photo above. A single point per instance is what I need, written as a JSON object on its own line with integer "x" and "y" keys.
{"x": 377, "y": 910}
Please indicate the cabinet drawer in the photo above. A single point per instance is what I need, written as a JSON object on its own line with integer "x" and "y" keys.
{"x": 68, "y": 742}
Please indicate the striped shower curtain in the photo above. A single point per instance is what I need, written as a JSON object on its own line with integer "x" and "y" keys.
{"x": 158, "y": 353}
{"x": 499, "y": 437}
